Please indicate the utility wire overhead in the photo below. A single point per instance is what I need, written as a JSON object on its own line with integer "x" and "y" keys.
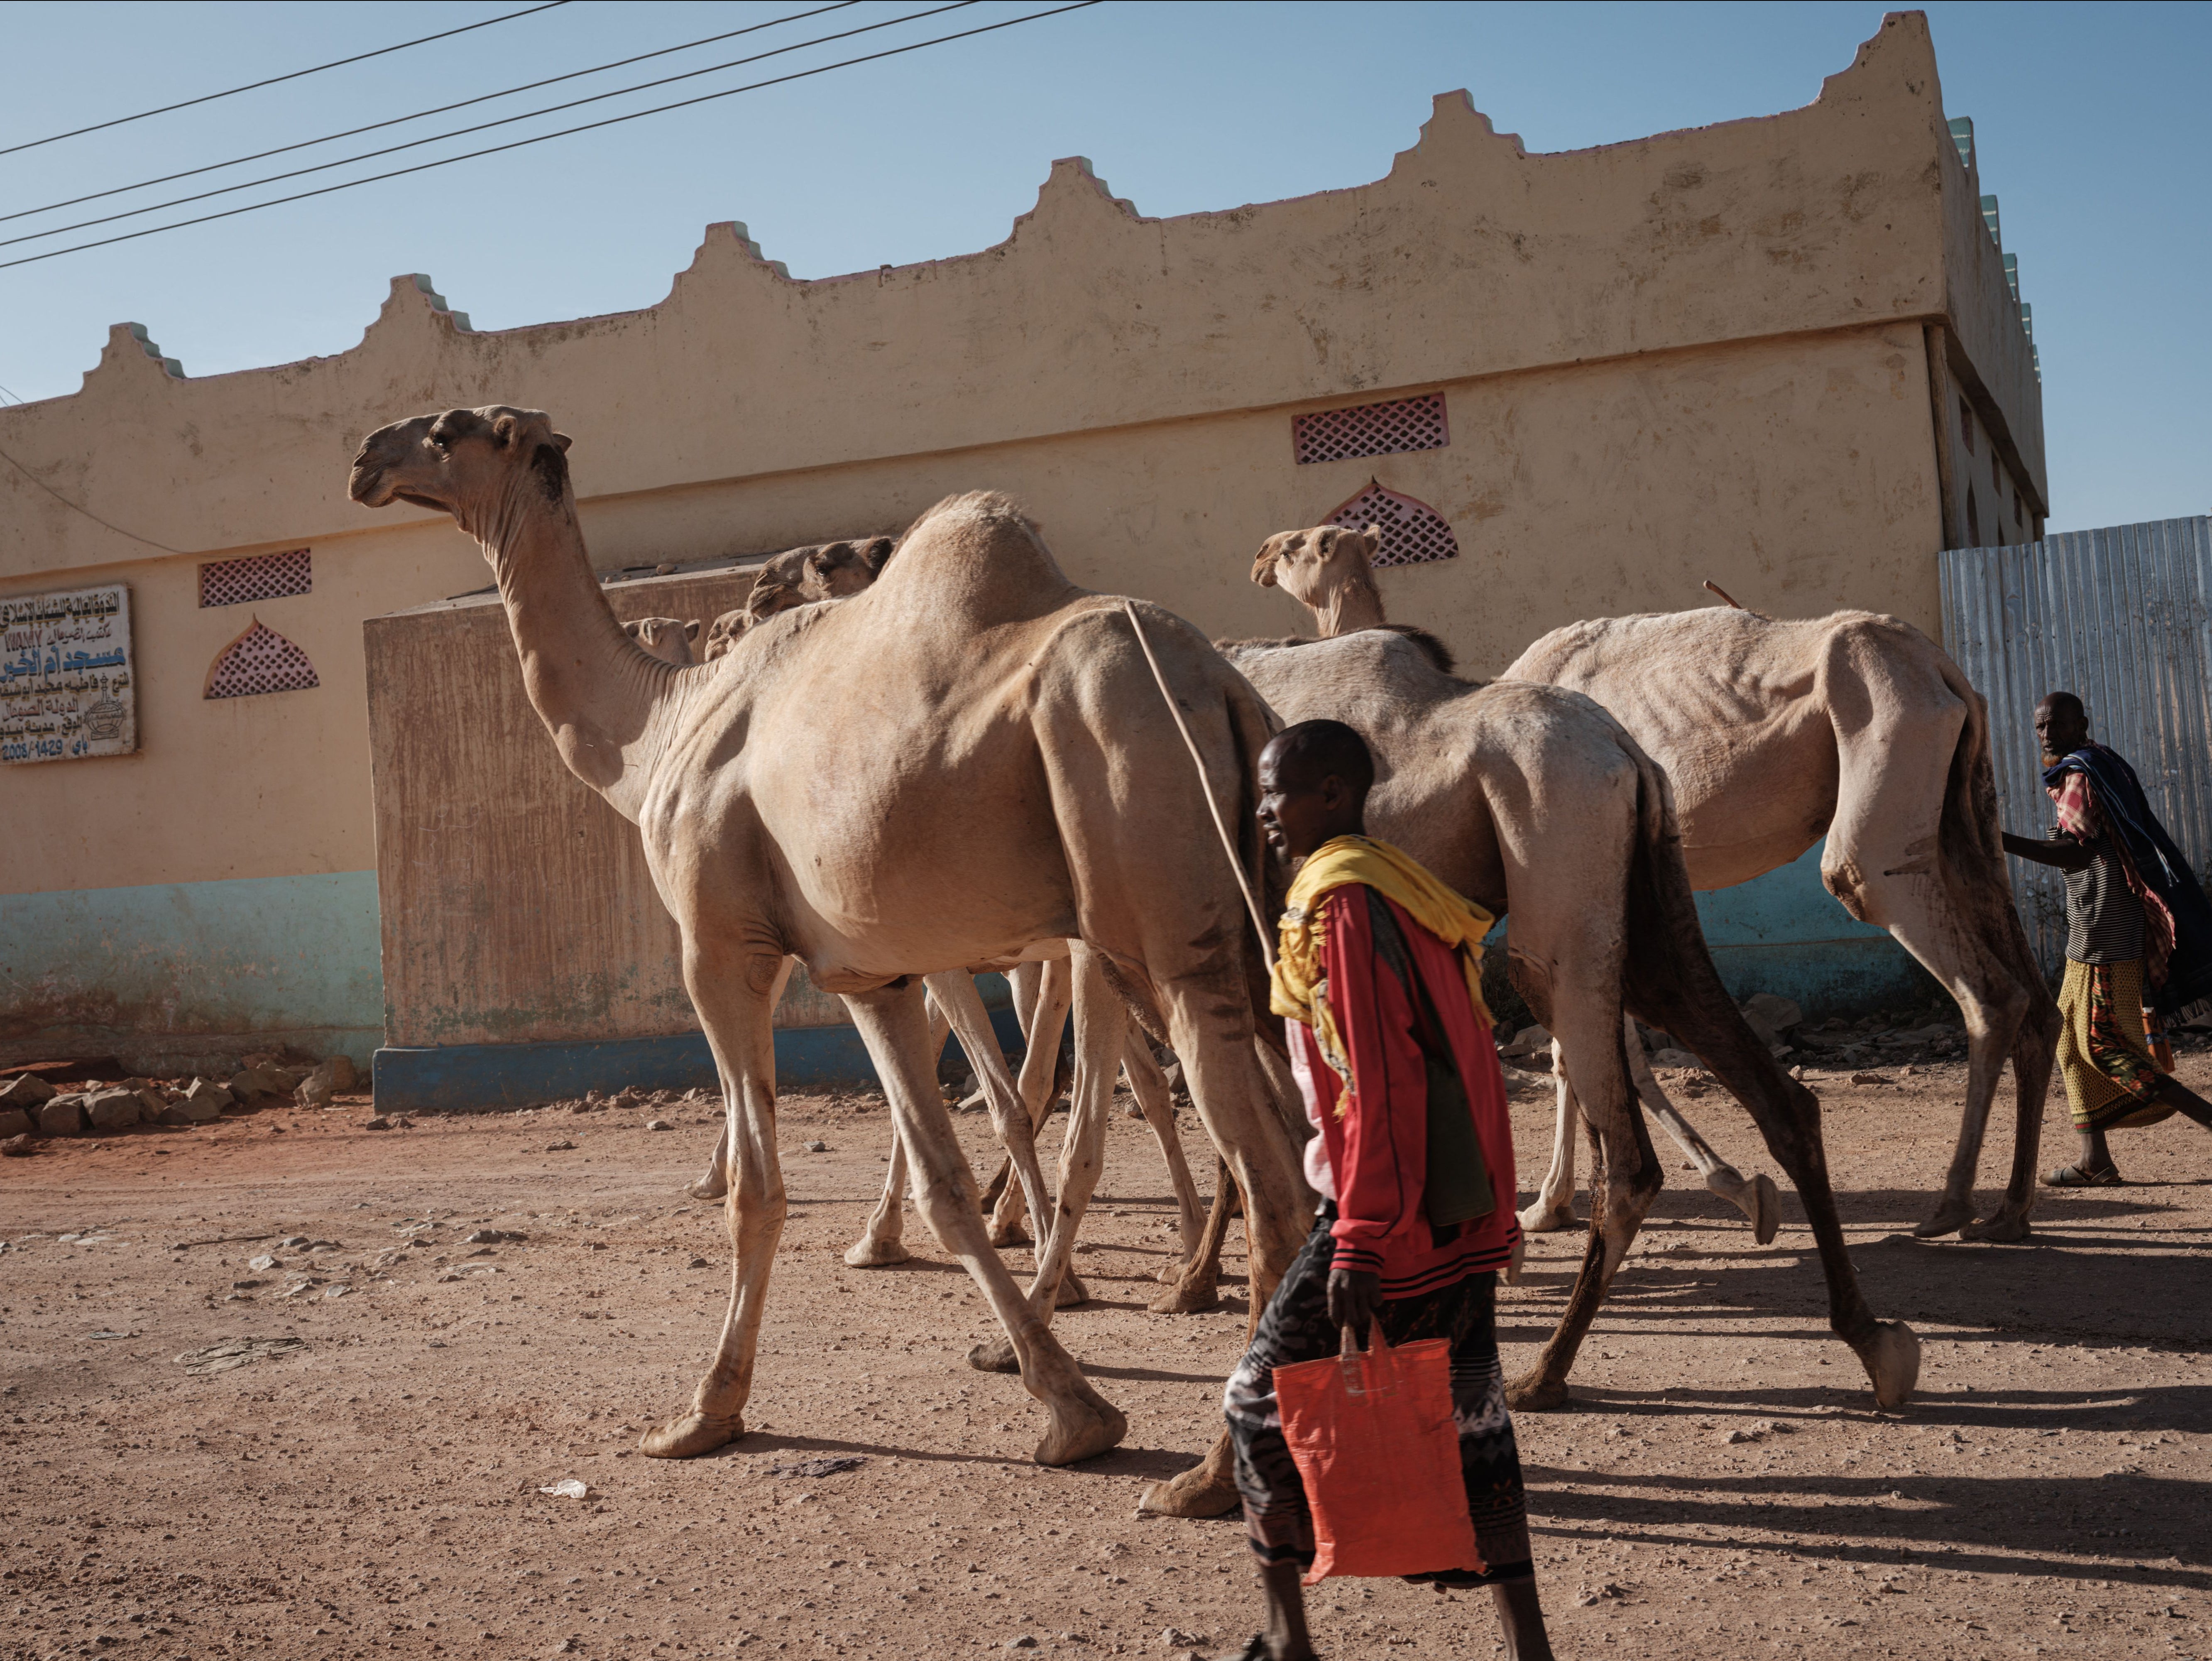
{"x": 481, "y": 126}
{"x": 251, "y": 86}
{"x": 522, "y": 144}
{"x": 441, "y": 109}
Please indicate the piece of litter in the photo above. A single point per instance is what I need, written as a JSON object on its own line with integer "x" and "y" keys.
{"x": 490, "y": 1236}
{"x": 237, "y": 1352}
{"x": 818, "y": 1467}
{"x": 567, "y": 1488}
{"x": 560, "y": 1147}
{"x": 115, "y": 1335}
{"x": 264, "y": 1263}
{"x": 817, "y": 1147}
{"x": 341, "y": 1290}
{"x": 659, "y": 1124}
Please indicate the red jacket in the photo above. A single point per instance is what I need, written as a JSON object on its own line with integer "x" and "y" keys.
{"x": 1377, "y": 1148}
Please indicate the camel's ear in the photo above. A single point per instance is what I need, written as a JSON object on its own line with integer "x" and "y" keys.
{"x": 502, "y": 428}
{"x": 691, "y": 629}
{"x": 876, "y": 554}
{"x": 631, "y": 629}
{"x": 563, "y": 441}
{"x": 1372, "y": 537}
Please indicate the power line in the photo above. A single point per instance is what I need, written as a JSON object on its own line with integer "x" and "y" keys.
{"x": 481, "y": 126}
{"x": 521, "y": 143}
{"x": 76, "y": 508}
{"x": 441, "y": 109}
{"x": 251, "y": 86}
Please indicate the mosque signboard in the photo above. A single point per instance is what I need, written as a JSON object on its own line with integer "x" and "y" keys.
{"x": 68, "y": 689}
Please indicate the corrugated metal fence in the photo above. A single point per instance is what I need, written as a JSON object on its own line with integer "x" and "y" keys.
{"x": 2123, "y": 616}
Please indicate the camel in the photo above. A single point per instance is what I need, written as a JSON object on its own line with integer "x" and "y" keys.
{"x": 1533, "y": 801}
{"x": 1329, "y": 569}
{"x": 825, "y": 570}
{"x": 1016, "y": 787}
{"x": 722, "y": 633}
{"x": 1777, "y": 731}
{"x": 1043, "y": 995}
{"x": 668, "y": 639}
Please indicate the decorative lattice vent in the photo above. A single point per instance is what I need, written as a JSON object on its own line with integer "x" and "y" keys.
{"x": 1413, "y": 532}
{"x": 1372, "y": 430}
{"x": 260, "y": 661}
{"x": 265, "y": 576}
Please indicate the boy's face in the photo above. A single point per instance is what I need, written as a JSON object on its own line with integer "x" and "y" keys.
{"x": 1299, "y": 811}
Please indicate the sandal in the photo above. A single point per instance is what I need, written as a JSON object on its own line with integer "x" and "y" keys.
{"x": 2076, "y": 1176}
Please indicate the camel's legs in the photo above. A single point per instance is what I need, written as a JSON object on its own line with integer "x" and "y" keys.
{"x": 1101, "y": 1019}
{"x": 1009, "y": 1115}
{"x": 882, "y": 1242}
{"x": 1891, "y": 861}
{"x": 1624, "y": 1171}
{"x": 892, "y": 1023}
{"x": 1553, "y": 1209}
{"x": 1672, "y": 983}
{"x": 1756, "y": 1197}
{"x": 712, "y": 1182}
{"x": 736, "y": 1001}
{"x": 1055, "y": 996}
{"x": 1149, "y": 1085}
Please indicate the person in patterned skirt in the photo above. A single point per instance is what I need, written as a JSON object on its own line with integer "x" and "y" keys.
{"x": 2138, "y": 942}
{"x": 1378, "y": 982}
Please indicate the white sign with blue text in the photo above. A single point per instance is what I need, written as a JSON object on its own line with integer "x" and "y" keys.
{"x": 67, "y": 687}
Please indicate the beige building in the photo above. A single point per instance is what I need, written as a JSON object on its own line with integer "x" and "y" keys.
{"x": 1780, "y": 354}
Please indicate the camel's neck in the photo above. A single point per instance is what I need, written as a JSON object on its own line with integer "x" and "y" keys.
{"x": 1349, "y": 606}
{"x": 603, "y": 700}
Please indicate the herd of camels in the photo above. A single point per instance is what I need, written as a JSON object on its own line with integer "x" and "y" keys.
{"x": 1005, "y": 806}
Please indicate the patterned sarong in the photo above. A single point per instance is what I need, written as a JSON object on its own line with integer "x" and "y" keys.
{"x": 2104, "y": 1052}
{"x": 1295, "y": 1327}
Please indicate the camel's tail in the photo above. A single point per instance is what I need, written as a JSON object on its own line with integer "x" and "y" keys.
{"x": 1671, "y": 981}
{"x": 1969, "y": 840}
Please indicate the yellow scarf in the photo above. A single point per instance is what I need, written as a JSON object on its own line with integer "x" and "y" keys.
{"x": 1300, "y": 990}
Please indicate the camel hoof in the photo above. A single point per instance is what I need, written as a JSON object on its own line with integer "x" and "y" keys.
{"x": 1089, "y": 1426}
{"x": 1008, "y": 1234}
{"x": 1192, "y": 1494}
{"x": 994, "y": 1355}
{"x": 1197, "y": 1295}
{"x": 2000, "y": 1229}
{"x": 712, "y": 1186}
{"x": 1765, "y": 1209}
{"x": 867, "y": 1252}
{"x": 1539, "y": 1218}
{"x": 689, "y": 1436}
{"x": 1536, "y": 1393}
{"x": 1892, "y": 1362}
{"x": 1072, "y": 1291}
{"x": 1948, "y": 1219}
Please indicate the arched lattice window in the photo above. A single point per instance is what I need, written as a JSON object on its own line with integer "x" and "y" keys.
{"x": 260, "y": 660}
{"x": 1371, "y": 430}
{"x": 1413, "y": 532}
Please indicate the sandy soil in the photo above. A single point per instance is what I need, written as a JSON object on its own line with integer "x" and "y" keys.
{"x": 377, "y": 1487}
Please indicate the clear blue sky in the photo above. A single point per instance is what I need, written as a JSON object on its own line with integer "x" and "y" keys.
{"x": 2093, "y": 122}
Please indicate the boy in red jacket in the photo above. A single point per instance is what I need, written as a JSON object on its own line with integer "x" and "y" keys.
{"x": 1413, "y": 1160}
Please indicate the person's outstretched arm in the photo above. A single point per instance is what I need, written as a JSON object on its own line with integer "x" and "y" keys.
{"x": 2063, "y": 852}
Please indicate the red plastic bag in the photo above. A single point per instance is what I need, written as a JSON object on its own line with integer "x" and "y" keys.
{"x": 1375, "y": 1445}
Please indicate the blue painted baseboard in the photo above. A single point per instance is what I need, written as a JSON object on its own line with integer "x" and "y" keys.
{"x": 483, "y": 1078}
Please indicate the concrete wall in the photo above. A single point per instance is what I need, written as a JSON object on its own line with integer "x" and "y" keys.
{"x": 1715, "y": 354}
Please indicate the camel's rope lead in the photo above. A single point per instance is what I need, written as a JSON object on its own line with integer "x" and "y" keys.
{"x": 1205, "y": 789}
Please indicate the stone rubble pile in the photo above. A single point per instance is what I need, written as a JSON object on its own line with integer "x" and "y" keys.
{"x": 31, "y": 1107}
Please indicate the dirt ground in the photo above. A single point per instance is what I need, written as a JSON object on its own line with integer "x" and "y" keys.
{"x": 1720, "y": 1483}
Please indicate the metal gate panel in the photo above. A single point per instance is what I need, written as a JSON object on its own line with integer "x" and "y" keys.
{"x": 2121, "y": 616}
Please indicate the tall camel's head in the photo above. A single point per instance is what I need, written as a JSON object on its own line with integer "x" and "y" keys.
{"x": 722, "y": 634}
{"x": 1315, "y": 566}
{"x": 829, "y": 570}
{"x": 469, "y": 463}
{"x": 668, "y": 639}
